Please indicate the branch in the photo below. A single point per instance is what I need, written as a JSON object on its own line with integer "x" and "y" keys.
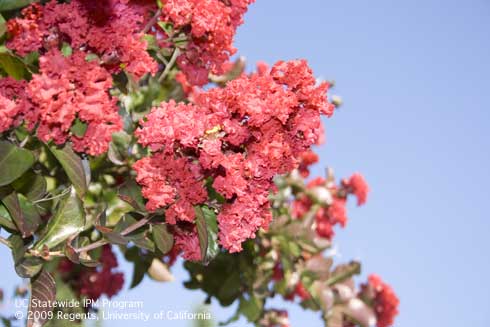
{"x": 169, "y": 65}
{"x": 128, "y": 230}
{"x": 152, "y": 21}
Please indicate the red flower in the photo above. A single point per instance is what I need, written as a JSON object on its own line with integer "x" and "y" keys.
{"x": 94, "y": 282}
{"x": 240, "y": 137}
{"x": 67, "y": 88}
{"x": 357, "y": 185}
{"x": 301, "y": 291}
{"x": 212, "y": 25}
{"x": 385, "y": 301}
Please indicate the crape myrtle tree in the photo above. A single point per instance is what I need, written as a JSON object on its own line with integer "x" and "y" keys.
{"x": 125, "y": 124}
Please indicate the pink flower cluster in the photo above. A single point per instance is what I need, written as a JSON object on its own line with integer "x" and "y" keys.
{"x": 67, "y": 88}
{"x": 334, "y": 213}
{"x": 13, "y": 103}
{"x": 211, "y": 25}
{"x": 110, "y": 29}
{"x": 92, "y": 283}
{"x": 240, "y": 137}
{"x": 385, "y": 301}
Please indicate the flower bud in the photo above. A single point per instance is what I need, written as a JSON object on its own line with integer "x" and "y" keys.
{"x": 322, "y": 195}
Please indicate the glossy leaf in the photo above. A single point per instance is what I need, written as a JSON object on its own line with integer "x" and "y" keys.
{"x": 207, "y": 229}
{"x": 118, "y": 148}
{"x": 14, "y": 208}
{"x": 73, "y": 166}
{"x": 130, "y": 192}
{"x": 68, "y": 221}
{"x": 164, "y": 240}
{"x": 31, "y": 215}
{"x": 14, "y": 162}
{"x": 25, "y": 266}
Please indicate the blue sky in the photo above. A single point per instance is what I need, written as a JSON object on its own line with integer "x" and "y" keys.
{"x": 414, "y": 76}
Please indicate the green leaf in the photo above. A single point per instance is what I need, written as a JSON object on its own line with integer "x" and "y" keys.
{"x": 130, "y": 192}
{"x": 73, "y": 166}
{"x": 164, "y": 240}
{"x": 118, "y": 148}
{"x": 31, "y": 215}
{"x": 251, "y": 308}
{"x": 78, "y": 128}
{"x": 3, "y": 26}
{"x": 207, "y": 229}
{"x": 25, "y": 266}
{"x": 29, "y": 267}
{"x": 344, "y": 272}
{"x": 91, "y": 56}
{"x": 13, "y": 4}
{"x": 23, "y": 213}
{"x": 31, "y": 185}
{"x": 12, "y": 65}
{"x": 68, "y": 221}
{"x": 6, "y": 220}
{"x": 66, "y": 50}
{"x": 141, "y": 264}
{"x": 43, "y": 291}
{"x": 14, "y": 162}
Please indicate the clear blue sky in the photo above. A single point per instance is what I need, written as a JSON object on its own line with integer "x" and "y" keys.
{"x": 415, "y": 79}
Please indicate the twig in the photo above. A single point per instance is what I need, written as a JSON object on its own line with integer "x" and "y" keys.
{"x": 309, "y": 217}
{"x": 53, "y": 197}
{"x": 169, "y": 65}
{"x": 152, "y": 21}
{"x": 128, "y": 230}
{"x": 4, "y": 241}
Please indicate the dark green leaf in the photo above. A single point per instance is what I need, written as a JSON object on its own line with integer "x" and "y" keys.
{"x": 73, "y": 166}
{"x": 12, "y": 65}
{"x": 68, "y": 221}
{"x": 139, "y": 237}
{"x": 130, "y": 192}
{"x": 29, "y": 267}
{"x": 31, "y": 185}
{"x": 207, "y": 229}
{"x": 141, "y": 265}
{"x": 164, "y": 240}
{"x": 18, "y": 248}
{"x": 14, "y": 162}
{"x": 251, "y": 308}
{"x": 6, "y": 220}
{"x": 26, "y": 222}
{"x": 31, "y": 215}
{"x": 115, "y": 238}
{"x": 13, "y": 4}
{"x": 43, "y": 291}
{"x": 25, "y": 266}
